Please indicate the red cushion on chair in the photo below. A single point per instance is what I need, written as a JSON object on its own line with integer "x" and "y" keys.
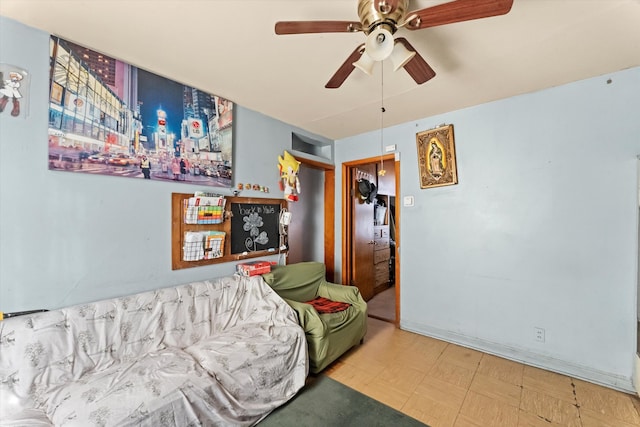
{"x": 324, "y": 305}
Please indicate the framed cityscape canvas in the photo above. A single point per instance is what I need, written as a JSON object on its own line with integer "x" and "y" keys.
{"x": 108, "y": 117}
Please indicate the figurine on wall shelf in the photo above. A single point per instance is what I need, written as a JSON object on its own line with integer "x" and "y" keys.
{"x": 289, "y": 183}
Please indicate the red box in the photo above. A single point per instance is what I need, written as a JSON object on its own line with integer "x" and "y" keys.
{"x": 253, "y": 268}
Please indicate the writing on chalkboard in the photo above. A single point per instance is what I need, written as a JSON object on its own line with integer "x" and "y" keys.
{"x": 254, "y": 226}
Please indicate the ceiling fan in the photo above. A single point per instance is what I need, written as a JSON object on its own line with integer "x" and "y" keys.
{"x": 380, "y": 19}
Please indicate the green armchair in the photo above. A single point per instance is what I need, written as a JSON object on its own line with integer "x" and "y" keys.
{"x": 328, "y": 335}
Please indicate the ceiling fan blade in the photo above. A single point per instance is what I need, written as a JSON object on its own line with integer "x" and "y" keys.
{"x": 307, "y": 27}
{"x": 417, "y": 67}
{"x": 457, "y": 11}
{"x": 345, "y": 69}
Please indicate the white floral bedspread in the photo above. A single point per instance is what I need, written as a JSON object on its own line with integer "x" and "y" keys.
{"x": 223, "y": 352}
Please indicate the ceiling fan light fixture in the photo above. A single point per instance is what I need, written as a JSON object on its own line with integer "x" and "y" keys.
{"x": 400, "y": 56}
{"x": 379, "y": 44}
{"x": 379, "y": 20}
{"x": 365, "y": 63}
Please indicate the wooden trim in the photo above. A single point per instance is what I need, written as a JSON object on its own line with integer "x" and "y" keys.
{"x": 397, "y": 240}
{"x": 176, "y": 226}
{"x": 315, "y": 164}
{"x": 346, "y": 224}
{"x": 329, "y": 223}
{"x": 370, "y": 160}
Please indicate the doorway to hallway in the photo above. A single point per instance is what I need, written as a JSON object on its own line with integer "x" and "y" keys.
{"x": 371, "y": 229}
{"x": 317, "y": 195}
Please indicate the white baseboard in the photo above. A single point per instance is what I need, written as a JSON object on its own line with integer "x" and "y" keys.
{"x": 531, "y": 358}
{"x": 636, "y": 374}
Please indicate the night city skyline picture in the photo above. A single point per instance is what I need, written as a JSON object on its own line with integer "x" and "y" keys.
{"x": 108, "y": 117}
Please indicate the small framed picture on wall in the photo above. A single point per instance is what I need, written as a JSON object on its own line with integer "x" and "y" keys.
{"x": 437, "y": 157}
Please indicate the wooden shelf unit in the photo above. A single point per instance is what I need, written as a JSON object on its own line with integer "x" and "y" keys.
{"x": 178, "y": 229}
{"x": 381, "y": 256}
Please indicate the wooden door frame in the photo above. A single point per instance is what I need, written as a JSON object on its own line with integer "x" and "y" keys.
{"x": 329, "y": 212}
{"x": 347, "y": 224}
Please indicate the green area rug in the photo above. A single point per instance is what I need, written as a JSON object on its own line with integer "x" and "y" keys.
{"x": 324, "y": 402}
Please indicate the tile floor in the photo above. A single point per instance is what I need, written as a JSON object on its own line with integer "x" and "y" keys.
{"x": 443, "y": 384}
{"x": 383, "y": 305}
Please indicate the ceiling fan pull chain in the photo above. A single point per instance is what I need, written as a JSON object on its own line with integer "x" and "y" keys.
{"x": 381, "y": 172}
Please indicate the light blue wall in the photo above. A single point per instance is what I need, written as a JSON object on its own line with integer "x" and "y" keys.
{"x": 541, "y": 230}
{"x": 70, "y": 238}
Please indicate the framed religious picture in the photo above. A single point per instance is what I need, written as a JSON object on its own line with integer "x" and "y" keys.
{"x": 437, "y": 157}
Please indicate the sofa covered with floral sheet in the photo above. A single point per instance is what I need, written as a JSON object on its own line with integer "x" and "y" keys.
{"x": 221, "y": 352}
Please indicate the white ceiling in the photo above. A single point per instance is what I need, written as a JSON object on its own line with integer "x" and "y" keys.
{"x": 228, "y": 47}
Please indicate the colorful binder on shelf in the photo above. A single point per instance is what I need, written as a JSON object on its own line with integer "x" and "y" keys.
{"x": 204, "y": 210}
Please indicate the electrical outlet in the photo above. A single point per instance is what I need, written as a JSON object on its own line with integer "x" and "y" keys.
{"x": 538, "y": 334}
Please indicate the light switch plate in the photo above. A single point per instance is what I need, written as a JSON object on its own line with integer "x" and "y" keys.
{"x": 408, "y": 201}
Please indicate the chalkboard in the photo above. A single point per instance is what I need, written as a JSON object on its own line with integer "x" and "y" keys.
{"x": 255, "y": 226}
